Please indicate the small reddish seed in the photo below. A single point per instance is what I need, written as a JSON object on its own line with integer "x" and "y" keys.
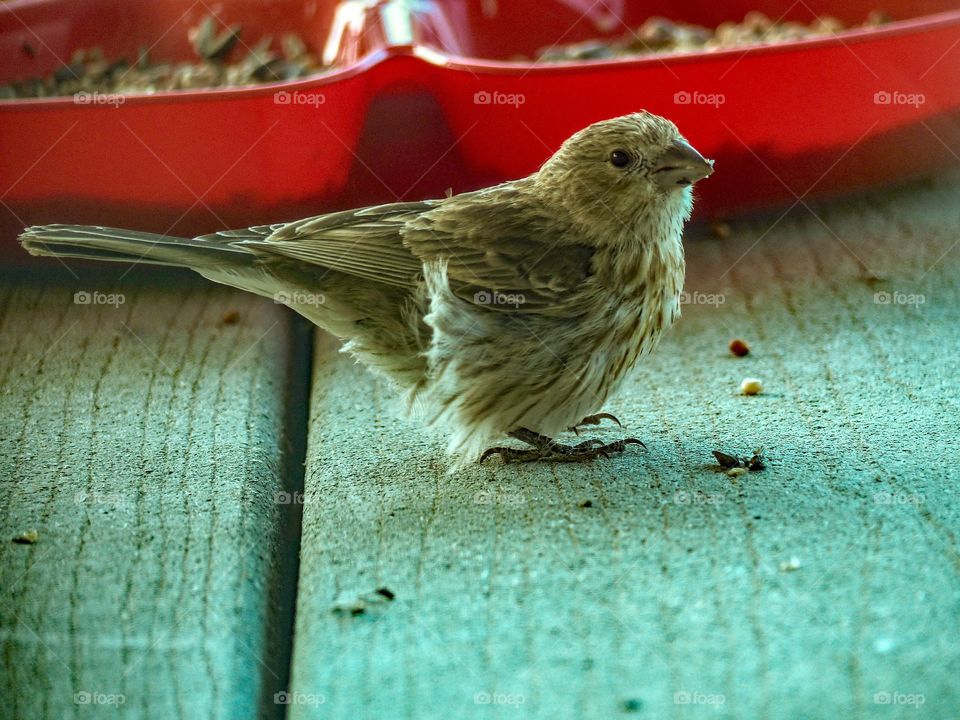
{"x": 738, "y": 347}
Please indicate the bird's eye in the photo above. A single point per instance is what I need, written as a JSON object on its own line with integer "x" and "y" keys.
{"x": 620, "y": 158}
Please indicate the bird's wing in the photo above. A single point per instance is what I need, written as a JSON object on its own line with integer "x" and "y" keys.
{"x": 502, "y": 251}
{"x": 365, "y": 243}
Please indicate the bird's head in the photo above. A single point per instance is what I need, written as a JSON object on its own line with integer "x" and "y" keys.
{"x": 629, "y": 169}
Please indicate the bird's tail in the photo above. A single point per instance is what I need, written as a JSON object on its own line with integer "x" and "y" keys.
{"x": 93, "y": 242}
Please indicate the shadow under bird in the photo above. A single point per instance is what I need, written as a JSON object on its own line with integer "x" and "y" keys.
{"x": 515, "y": 310}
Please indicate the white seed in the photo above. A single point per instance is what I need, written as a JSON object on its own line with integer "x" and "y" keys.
{"x": 751, "y": 386}
{"x": 790, "y": 565}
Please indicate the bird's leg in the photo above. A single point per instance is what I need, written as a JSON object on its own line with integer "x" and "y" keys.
{"x": 545, "y": 448}
{"x": 594, "y": 420}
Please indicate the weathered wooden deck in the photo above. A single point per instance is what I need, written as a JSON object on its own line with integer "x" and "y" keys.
{"x": 156, "y": 450}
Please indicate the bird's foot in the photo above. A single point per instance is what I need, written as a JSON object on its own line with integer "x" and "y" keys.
{"x": 548, "y": 450}
{"x": 594, "y": 420}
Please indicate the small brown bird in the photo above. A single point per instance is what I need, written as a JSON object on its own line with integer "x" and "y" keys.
{"x": 513, "y": 310}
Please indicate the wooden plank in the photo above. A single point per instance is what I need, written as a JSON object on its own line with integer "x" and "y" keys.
{"x": 143, "y": 441}
{"x": 825, "y": 586}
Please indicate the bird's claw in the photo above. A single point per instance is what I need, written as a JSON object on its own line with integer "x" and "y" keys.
{"x": 594, "y": 420}
{"x": 556, "y": 452}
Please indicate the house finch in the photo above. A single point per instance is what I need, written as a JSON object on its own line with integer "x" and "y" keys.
{"x": 513, "y": 310}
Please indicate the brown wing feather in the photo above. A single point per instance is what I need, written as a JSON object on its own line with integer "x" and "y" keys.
{"x": 499, "y": 240}
{"x": 365, "y": 243}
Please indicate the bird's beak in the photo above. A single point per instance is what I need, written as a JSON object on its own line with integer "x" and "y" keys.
{"x": 680, "y": 165}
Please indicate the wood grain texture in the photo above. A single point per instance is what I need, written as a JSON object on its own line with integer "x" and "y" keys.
{"x": 144, "y": 444}
{"x": 822, "y": 587}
